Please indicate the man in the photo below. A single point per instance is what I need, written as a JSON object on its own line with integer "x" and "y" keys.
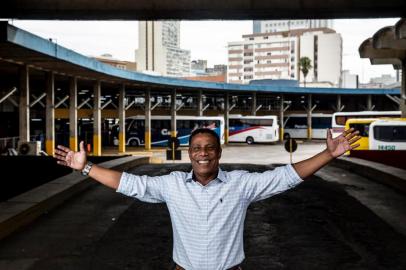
{"x": 207, "y": 205}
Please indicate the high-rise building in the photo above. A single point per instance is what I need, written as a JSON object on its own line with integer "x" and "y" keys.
{"x": 276, "y": 56}
{"x": 271, "y": 26}
{"x": 159, "y": 49}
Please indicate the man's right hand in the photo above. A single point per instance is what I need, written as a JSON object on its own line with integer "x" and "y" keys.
{"x": 69, "y": 158}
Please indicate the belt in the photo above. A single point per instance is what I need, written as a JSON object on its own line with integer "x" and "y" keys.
{"x": 236, "y": 267}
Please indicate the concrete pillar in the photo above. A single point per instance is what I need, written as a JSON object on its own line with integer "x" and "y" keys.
{"x": 281, "y": 118}
{"x": 147, "y": 124}
{"x": 73, "y": 114}
{"x": 173, "y": 113}
{"x": 226, "y": 116}
{"x": 369, "y": 103}
{"x": 97, "y": 136}
{"x": 309, "y": 117}
{"x": 200, "y": 103}
{"x": 402, "y": 105}
{"x": 121, "y": 120}
{"x": 50, "y": 114}
{"x": 254, "y": 104}
{"x": 338, "y": 105}
{"x": 24, "y": 106}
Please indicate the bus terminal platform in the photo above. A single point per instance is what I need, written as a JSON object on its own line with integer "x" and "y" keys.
{"x": 343, "y": 218}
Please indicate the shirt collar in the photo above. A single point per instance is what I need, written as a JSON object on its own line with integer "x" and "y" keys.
{"x": 220, "y": 176}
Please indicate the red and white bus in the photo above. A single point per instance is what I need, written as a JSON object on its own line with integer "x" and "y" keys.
{"x": 251, "y": 129}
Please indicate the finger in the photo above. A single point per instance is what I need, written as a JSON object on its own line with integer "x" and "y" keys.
{"x": 63, "y": 148}
{"x": 82, "y": 146}
{"x": 352, "y": 134}
{"x": 59, "y": 152}
{"x": 354, "y": 146}
{"x": 63, "y": 163}
{"x": 329, "y": 135}
{"x": 353, "y": 140}
{"x": 348, "y": 131}
{"x": 345, "y": 132}
{"x": 60, "y": 157}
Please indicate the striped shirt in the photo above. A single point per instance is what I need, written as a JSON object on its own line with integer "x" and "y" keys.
{"x": 208, "y": 221}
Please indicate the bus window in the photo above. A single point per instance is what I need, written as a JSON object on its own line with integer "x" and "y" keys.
{"x": 363, "y": 129}
{"x": 321, "y": 122}
{"x": 266, "y": 122}
{"x": 340, "y": 120}
{"x": 390, "y": 133}
{"x": 296, "y": 122}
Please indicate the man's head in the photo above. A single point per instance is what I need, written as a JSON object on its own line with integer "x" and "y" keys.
{"x": 204, "y": 153}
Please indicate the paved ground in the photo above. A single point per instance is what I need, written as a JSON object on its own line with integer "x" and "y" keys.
{"x": 319, "y": 225}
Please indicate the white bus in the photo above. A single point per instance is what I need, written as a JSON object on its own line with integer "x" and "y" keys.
{"x": 339, "y": 118}
{"x": 295, "y": 126}
{"x": 388, "y": 134}
{"x": 252, "y": 129}
{"x": 161, "y": 128}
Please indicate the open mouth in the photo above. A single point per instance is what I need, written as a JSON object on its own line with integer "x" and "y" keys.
{"x": 203, "y": 162}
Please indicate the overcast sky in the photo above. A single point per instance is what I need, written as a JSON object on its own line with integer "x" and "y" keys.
{"x": 206, "y": 39}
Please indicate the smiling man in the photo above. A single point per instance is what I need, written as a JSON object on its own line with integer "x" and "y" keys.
{"x": 207, "y": 206}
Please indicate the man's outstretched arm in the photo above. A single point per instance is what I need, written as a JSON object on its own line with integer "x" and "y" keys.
{"x": 78, "y": 160}
{"x": 335, "y": 148}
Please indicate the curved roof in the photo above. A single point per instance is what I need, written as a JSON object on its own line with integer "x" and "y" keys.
{"x": 19, "y": 46}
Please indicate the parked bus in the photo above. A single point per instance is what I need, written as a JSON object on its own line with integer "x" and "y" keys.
{"x": 295, "y": 125}
{"x": 252, "y": 129}
{"x": 161, "y": 129}
{"x": 339, "y": 118}
{"x": 388, "y": 134}
{"x": 362, "y": 125}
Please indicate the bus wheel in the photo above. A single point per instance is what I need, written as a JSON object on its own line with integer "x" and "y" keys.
{"x": 249, "y": 140}
{"x": 133, "y": 143}
{"x": 286, "y": 136}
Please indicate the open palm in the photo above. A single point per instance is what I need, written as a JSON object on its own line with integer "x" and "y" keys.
{"x": 72, "y": 159}
{"x": 343, "y": 143}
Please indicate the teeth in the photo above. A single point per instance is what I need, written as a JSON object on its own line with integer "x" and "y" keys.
{"x": 203, "y": 161}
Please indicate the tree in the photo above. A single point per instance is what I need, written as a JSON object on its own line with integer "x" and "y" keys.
{"x": 305, "y": 64}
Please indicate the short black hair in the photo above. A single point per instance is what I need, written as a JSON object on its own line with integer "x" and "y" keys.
{"x": 205, "y": 131}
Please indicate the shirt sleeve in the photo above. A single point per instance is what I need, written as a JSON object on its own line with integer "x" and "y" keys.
{"x": 259, "y": 186}
{"x": 144, "y": 188}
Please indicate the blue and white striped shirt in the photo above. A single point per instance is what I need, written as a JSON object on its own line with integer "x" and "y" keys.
{"x": 208, "y": 221}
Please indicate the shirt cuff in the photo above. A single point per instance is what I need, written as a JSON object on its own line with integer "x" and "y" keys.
{"x": 125, "y": 185}
{"x": 293, "y": 176}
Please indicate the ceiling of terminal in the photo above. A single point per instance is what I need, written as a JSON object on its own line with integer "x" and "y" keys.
{"x": 200, "y": 9}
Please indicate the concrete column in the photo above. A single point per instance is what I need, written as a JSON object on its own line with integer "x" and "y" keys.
{"x": 226, "y": 116}
{"x": 200, "y": 103}
{"x": 97, "y": 136}
{"x": 309, "y": 117}
{"x": 254, "y": 104}
{"x": 173, "y": 113}
{"x": 24, "y": 106}
{"x": 338, "y": 105}
{"x": 402, "y": 104}
{"x": 281, "y": 118}
{"x": 73, "y": 114}
{"x": 369, "y": 102}
{"x": 147, "y": 124}
{"x": 121, "y": 120}
{"x": 50, "y": 114}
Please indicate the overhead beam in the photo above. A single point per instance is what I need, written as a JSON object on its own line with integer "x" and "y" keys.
{"x": 200, "y": 9}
